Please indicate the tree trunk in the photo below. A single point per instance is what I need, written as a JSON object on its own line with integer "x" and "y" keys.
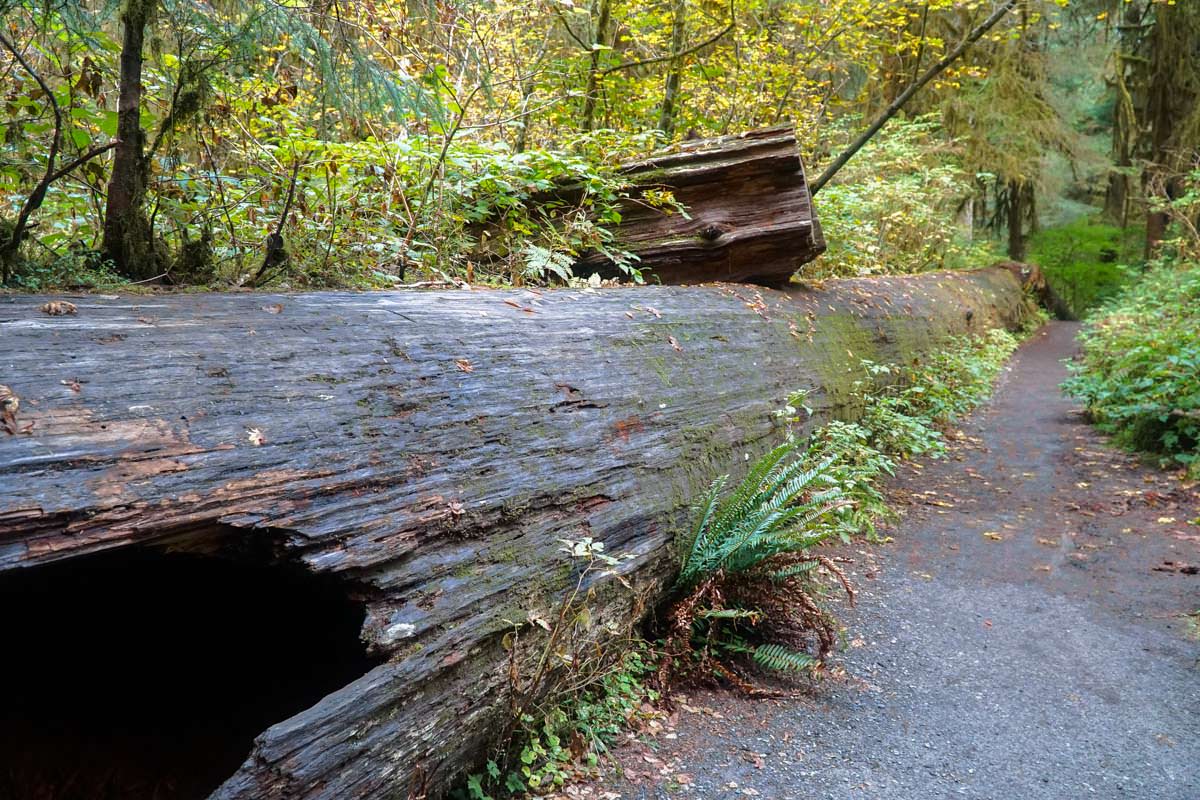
{"x": 128, "y": 236}
{"x": 591, "y": 94}
{"x": 1016, "y": 221}
{"x": 666, "y": 114}
{"x": 1124, "y": 134}
{"x": 424, "y": 452}
{"x": 1173, "y": 92}
{"x": 750, "y": 216}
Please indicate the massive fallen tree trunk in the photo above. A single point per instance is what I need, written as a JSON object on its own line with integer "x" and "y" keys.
{"x": 749, "y": 212}
{"x": 426, "y": 452}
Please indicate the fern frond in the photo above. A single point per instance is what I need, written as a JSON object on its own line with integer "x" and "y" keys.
{"x": 730, "y": 613}
{"x": 705, "y": 510}
{"x": 783, "y": 659}
{"x": 793, "y": 570}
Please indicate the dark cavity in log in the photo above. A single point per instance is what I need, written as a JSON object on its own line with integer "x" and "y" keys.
{"x": 141, "y": 674}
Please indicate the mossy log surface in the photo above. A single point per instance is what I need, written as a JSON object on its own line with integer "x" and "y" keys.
{"x": 428, "y": 449}
{"x": 750, "y": 214}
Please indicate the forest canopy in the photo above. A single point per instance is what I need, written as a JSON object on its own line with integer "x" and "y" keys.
{"x": 369, "y": 143}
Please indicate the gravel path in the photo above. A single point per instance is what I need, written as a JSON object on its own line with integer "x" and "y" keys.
{"x": 1023, "y": 637}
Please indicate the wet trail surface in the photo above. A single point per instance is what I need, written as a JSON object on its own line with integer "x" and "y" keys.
{"x": 1025, "y": 635}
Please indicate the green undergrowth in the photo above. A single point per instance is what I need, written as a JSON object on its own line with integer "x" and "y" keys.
{"x": 750, "y": 593}
{"x": 569, "y": 738}
{"x": 906, "y": 419}
{"x": 1087, "y": 262}
{"x": 1139, "y": 372}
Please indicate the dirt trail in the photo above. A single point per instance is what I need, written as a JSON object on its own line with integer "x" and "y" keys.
{"x": 1023, "y": 637}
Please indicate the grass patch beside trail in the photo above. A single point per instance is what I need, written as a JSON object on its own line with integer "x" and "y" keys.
{"x": 1085, "y": 262}
{"x": 1140, "y": 369}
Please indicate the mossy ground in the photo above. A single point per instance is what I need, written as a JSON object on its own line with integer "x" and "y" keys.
{"x": 1086, "y": 262}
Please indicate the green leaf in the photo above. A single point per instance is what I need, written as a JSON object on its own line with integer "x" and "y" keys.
{"x": 108, "y": 124}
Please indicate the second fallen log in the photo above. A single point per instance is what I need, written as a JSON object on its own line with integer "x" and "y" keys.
{"x": 749, "y": 215}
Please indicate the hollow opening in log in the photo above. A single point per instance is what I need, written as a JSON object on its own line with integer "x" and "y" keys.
{"x": 145, "y": 674}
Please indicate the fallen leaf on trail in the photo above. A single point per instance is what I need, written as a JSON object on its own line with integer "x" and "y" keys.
{"x": 274, "y": 308}
{"x": 147, "y": 320}
{"x": 464, "y": 365}
{"x": 1044, "y": 568}
{"x": 940, "y": 503}
{"x": 1047, "y": 542}
{"x": 1165, "y": 520}
{"x": 255, "y": 437}
{"x": 72, "y": 384}
{"x": 58, "y": 308}
{"x": 995, "y": 537}
{"x": 675, "y": 344}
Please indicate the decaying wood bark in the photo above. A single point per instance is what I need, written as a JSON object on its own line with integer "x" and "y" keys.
{"x": 429, "y": 449}
{"x": 749, "y": 212}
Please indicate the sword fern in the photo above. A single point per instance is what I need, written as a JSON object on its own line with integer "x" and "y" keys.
{"x": 744, "y": 588}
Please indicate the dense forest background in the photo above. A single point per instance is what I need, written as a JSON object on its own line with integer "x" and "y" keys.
{"x": 365, "y": 143}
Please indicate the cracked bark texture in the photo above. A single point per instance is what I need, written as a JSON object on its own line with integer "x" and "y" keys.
{"x": 429, "y": 449}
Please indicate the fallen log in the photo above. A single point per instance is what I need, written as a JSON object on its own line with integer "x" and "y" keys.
{"x": 423, "y": 454}
{"x": 749, "y": 217}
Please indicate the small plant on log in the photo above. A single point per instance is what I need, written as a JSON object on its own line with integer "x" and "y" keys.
{"x": 745, "y": 593}
{"x": 573, "y": 688}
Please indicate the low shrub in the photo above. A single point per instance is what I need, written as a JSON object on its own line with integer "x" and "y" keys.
{"x": 574, "y": 684}
{"x": 1139, "y": 372}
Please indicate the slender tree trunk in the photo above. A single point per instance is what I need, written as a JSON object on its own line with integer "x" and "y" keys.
{"x": 592, "y": 94}
{"x": 1016, "y": 216}
{"x": 128, "y": 237}
{"x": 1171, "y": 102}
{"x": 528, "y": 87}
{"x": 1031, "y": 212}
{"x": 666, "y": 115}
{"x": 1116, "y": 198}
